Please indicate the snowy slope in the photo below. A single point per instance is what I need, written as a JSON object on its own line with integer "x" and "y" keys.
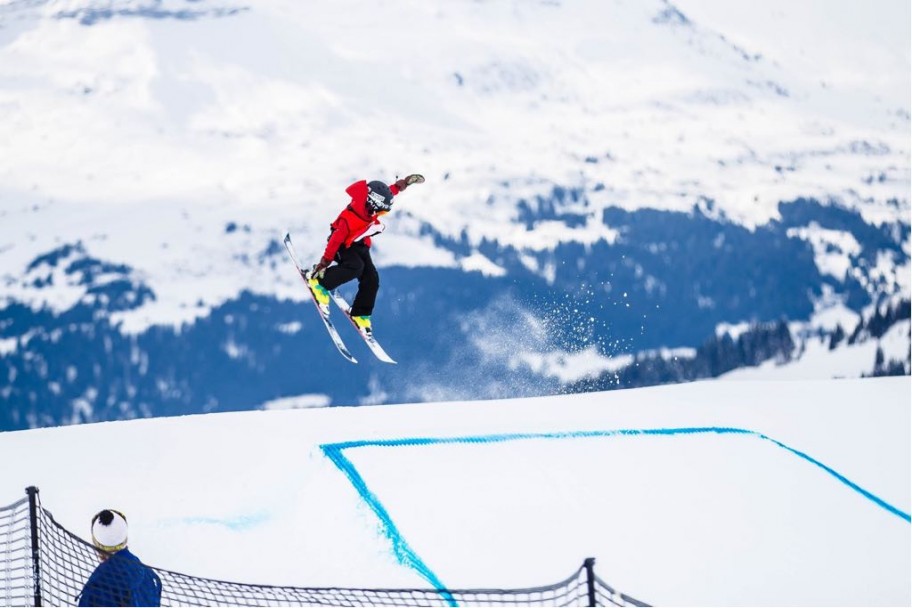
{"x": 808, "y": 506}
{"x": 143, "y": 128}
{"x": 815, "y": 359}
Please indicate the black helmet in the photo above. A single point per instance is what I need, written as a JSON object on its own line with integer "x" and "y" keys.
{"x": 379, "y": 197}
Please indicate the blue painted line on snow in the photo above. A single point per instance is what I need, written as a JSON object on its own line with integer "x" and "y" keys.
{"x": 870, "y": 496}
{"x": 401, "y": 549}
{"x": 407, "y": 556}
{"x": 240, "y": 523}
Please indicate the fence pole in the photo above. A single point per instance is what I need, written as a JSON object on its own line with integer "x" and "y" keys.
{"x": 32, "y": 492}
{"x": 589, "y": 565}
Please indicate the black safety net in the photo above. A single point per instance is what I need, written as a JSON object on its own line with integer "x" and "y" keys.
{"x": 43, "y": 563}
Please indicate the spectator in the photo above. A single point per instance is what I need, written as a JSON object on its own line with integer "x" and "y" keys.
{"x": 120, "y": 579}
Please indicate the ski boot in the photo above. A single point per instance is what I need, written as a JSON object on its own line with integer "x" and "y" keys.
{"x": 362, "y": 322}
{"x": 320, "y": 294}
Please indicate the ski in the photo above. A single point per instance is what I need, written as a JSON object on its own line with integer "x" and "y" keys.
{"x": 330, "y": 328}
{"x": 368, "y": 337}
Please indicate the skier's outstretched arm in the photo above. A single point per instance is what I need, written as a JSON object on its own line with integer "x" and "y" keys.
{"x": 401, "y": 184}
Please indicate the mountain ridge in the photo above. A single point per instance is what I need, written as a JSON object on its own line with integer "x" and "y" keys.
{"x": 633, "y": 187}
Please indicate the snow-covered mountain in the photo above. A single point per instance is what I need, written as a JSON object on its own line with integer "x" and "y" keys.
{"x": 603, "y": 179}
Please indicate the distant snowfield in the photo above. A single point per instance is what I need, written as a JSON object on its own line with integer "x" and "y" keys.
{"x": 159, "y": 131}
{"x": 711, "y": 493}
{"x": 817, "y": 361}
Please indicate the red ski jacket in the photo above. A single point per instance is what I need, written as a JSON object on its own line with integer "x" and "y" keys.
{"x": 355, "y": 221}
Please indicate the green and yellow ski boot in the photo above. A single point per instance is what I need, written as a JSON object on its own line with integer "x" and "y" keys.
{"x": 320, "y": 294}
{"x": 362, "y": 322}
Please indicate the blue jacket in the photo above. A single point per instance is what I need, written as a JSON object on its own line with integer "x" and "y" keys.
{"x": 122, "y": 580}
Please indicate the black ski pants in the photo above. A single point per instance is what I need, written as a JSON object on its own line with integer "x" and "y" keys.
{"x": 355, "y": 263}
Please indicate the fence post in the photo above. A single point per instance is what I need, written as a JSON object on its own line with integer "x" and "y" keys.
{"x": 32, "y": 492}
{"x": 589, "y": 565}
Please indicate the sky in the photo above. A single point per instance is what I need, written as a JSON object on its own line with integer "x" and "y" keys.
{"x": 711, "y": 493}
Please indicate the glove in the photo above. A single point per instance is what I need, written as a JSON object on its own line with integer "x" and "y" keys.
{"x": 408, "y": 180}
{"x": 320, "y": 267}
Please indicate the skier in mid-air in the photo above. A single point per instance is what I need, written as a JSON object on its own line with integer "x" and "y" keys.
{"x": 349, "y": 246}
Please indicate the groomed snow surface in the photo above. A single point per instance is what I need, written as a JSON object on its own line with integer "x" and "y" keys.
{"x": 725, "y": 493}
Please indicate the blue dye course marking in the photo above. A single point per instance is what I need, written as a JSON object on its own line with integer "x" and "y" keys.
{"x": 401, "y": 549}
{"x": 236, "y": 524}
{"x": 407, "y": 556}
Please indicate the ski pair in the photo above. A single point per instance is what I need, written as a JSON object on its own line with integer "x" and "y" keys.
{"x": 367, "y": 336}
